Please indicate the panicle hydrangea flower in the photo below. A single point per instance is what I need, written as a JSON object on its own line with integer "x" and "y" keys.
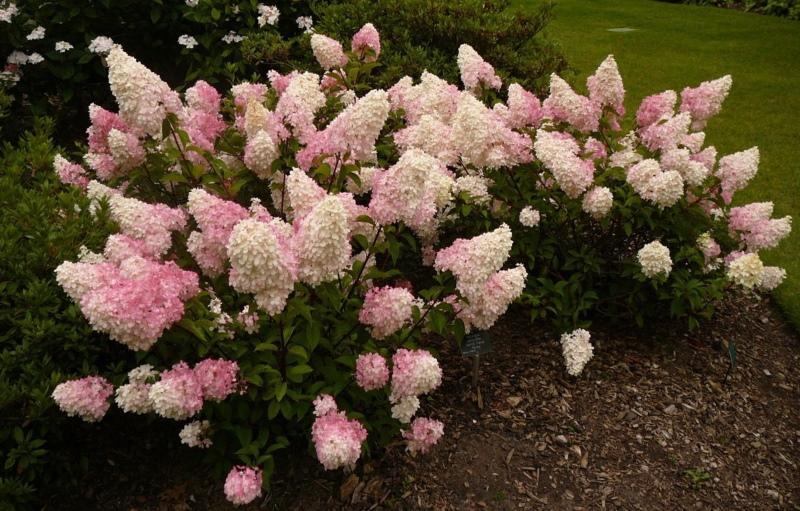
{"x": 70, "y": 173}
{"x": 414, "y": 372}
{"x": 656, "y": 107}
{"x": 262, "y": 262}
{"x": 298, "y": 104}
{"x": 133, "y": 302}
{"x": 524, "y": 108}
{"x": 405, "y": 408}
{"x": 476, "y": 186}
{"x": 476, "y": 72}
{"x": 577, "y": 350}
{"x": 142, "y": 374}
{"x": 232, "y": 37}
{"x": 243, "y": 485}
{"x": 371, "y": 371}
{"x": 322, "y": 242}
{"x": 771, "y": 277}
{"x": 560, "y": 155}
{"x": 529, "y": 217}
{"x": 736, "y": 170}
{"x": 367, "y": 40}
{"x": 432, "y": 96}
{"x": 144, "y": 99}
{"x": 328, "y": 52}
{"x": 150, "y": 223}
{"x": 86, "y": 398}
{"x": 708, "y": 246}
{"x": 598, "y": 202}
{"x": 178, "y": 394}
{"x": 666, "y": 134}
{"x": 337, "y": 440}
{"x": 355, "y": 130}
{"x": 680, "y": 160}
{"x": 594, "y": 148}
{"x": 386, "y": 310}
{"x": 498, "y": 292}
{"x": 259, "y": 153}
{"x": 654, "y": 259}
{"x": 134, "y": 397}
{"x": 755, "y": 227}
{"x": 268, "y": 15}
{"x": 430, "y": 135}
{"x": 125, "y": 149}
{"x": 195, "y": 434}
{"x": 474, "y": 260}
{"x": 424, "y": 434}
{"x": 665, "y": 189}
{"x": 745, "y": 269}
{"x": 482, "y": 139}
{"x": 606, "y": 88}
{"x": 216, "y": 219}
{"x": 218, "y": 378}
{"x": 564, "y": 104}
{"x": 705, "y": 101}
{"x": 324, "y": 404}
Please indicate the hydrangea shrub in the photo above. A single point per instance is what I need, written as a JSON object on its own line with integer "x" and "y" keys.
{"x": 286, "y": 254}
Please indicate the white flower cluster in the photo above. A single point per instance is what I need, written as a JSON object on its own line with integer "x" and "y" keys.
{"x": 654, "y": 259}
{"x": 577, "y": 350}
{"x": 529, "y": 217}
{"x": 187, "y": 41}
{"x": 747, "y": 270}
{"x": 405, "y": 408}
{"x": 476, "y": 186}
{"x": 305, "y": 23}
{"x": 63, "y": 46}
{"x": 36, "y": 34}
{"x": 195, "y": 434}
{"x": 267, "y": 15}
{"x": 598, "y": 202}
{"x": 323, "y": 243}
{"x": 101, "y": 45}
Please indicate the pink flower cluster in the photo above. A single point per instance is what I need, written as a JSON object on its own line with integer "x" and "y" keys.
{"x": 424, "y": 434}
{"x": 337, "y": 439}
{"x": 181, "y": 390}
{"x": 475, "y": 71}
{"x": 86, "y": 398}
{"x": 215, "y": 219}
{"x": 414, "y": 372}
{"x": 243, "y": 485}
{"x": 756, "y": 228}
{"x": 476, "y": 264}
{"x": 367, "y": 40}
{"x": 386, "y": 310}
{"x": 372, "y": 373}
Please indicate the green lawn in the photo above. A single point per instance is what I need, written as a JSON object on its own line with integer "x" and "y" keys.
{"x": 678, "y": 45}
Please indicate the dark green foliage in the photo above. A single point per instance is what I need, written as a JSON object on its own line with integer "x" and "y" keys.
{"x": 419, "y": 35}
{"x": 784, "y": 8}
{"x": 43, "y": 337}
{"x": 64, "y": 84}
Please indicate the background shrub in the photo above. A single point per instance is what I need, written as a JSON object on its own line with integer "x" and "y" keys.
{"x": 784, "y": 8}
{"x": 64, "y": 84}
{"x": 419, "y": 35}
{"x": 43, "y": 337}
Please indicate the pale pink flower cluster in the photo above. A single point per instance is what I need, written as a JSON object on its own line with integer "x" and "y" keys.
{"x": 577, "y": 350}
{"x": 196, "y": 434}
{"x": 476, "y": 187}
{"x": 606, "y": 88}
{"x": 414, "y": 372}
{"x": 736, "y": 170}
{"x": 656, "y": 107}
{"x": 476, "y": 263}
{"x": 86, "y": 398}
{"x": 654, "y": 259}
{"x": 372, "y": 373}
{"x": 243, "y": 485}
{"x": 70, "y": 173}
{"x": 664, "y": 188}
{"x": 180, "y": 391}
{"x": 134, "y": 396}
{"x": 133, "y": 300}
{"x": 756, "y": 228}
{"x": 710, "y": 248}
{"x": 559, "y": 152}
{"x": 771, "y": 277}
{"x": 705, "y": 101}
{"x": 476, "y": 72}
{"x": 529, "y": 217}
{"x": 218, "y": 378}
{"x": 328, "y": 52}
{"x": 565, "y": 105}
{"x": 386, "y": 310}
{"x": 337, "y": 439}
{"x": 598, "y": 202}
{"x": 367, "y": 40}
{"x": 423, "y": 435}
{"x": 215, "y": 220}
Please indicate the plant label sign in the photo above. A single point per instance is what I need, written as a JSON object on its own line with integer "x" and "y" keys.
{"x": 476, "y": 343}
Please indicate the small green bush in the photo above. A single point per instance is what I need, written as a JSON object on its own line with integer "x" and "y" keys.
{"x": 783, "y": 8}
{"x": 43, "y": 336}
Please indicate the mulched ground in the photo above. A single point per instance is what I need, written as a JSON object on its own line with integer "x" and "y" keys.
{"x": 651, "y": 424}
